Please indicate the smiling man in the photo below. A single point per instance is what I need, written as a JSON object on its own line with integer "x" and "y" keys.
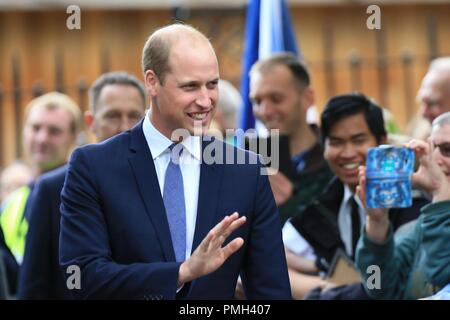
{"x": 145, "y": 222}
{"x": 116, "y": 104}
{"x": 52, "y": 123}
{"x": 351, "y": 124}
{"x": 281, "y": 94}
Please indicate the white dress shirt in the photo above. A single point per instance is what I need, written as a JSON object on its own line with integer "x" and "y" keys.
{"x": 294, "y": 241}
{"x": 189, "y": 166}
{"x": 345, "y": 219}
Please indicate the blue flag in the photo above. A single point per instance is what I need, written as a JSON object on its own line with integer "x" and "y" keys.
{"x": 267, "y": 30}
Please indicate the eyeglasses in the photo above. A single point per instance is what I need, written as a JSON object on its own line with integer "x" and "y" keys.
{"x": 444, "y": 149}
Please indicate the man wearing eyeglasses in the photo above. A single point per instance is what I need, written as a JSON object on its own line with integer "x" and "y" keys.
{"x": 417, "y": 265}
{"x": 444, "y": 149}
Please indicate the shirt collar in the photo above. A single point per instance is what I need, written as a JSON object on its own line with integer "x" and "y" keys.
{"x": 348, "y": 194}
{"x": 193, "y": 145}
{"x": 159, "y": 143}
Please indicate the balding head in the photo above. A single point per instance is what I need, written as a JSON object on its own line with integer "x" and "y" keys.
{"x": 156, "y": 52}
{"x": 181, "y": 75}
{"x": 434, "y": 93}
{"x": 441, "y": 64}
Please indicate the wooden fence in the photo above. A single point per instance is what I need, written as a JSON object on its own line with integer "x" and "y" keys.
{"x": 342, "y": 54}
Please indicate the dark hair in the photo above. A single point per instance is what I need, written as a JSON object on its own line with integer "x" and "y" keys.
{"x": 347, "y": 105}
{"x": 110, "y": 78}
{"x": 297, "y": 67}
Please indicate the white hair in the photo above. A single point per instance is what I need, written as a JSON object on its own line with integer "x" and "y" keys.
{"x": 440, "y": 64}
{"x": 443, "y": 119}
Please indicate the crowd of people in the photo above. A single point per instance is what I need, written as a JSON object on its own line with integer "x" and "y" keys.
{"x": 144, "y": 215}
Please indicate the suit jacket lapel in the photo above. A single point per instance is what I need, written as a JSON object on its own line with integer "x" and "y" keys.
{"x": 208, "y": 196}
{"x": 143, "y": 167}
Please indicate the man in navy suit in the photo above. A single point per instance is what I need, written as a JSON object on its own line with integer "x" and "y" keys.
{"x": 117, "y": 103}
{"x": 121, "y": 223}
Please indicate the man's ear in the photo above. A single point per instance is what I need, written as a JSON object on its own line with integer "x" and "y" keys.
{"x": 88, "y": 119}
{"x": 151, "y": 82}
{"x": 308, "y": 98}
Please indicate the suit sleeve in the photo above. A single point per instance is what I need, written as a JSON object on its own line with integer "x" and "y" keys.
{"x": 84, "y": 243}
{"x": 265, "y": 273}
{"x": 34, "y": 277}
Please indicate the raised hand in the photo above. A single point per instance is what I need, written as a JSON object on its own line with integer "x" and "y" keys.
{"x": 429, "y": 177}
{"x": 210, "y": 254}
{"x": 282, "y": 187}
{"x": 377, "y": 222}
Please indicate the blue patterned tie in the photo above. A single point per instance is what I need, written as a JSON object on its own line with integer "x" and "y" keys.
{"x": 173, "y": 197}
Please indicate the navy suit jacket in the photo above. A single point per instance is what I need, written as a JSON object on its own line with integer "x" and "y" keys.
{"x": 114, "y": 225}
{"x": 40, "y": 276}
